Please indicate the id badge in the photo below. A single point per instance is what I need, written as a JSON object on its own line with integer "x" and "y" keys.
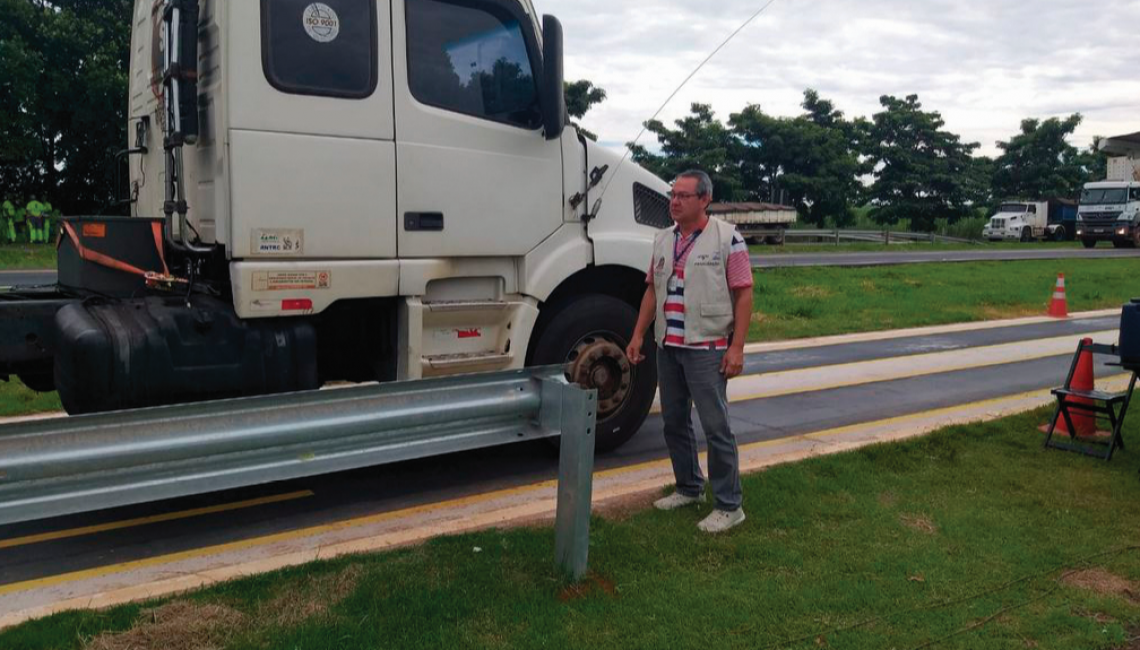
{"x": 672, "y": 283}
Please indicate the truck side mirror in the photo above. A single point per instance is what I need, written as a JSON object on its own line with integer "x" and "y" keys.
{"x": 552, "y": 91}
{"x": 180, "y": 69}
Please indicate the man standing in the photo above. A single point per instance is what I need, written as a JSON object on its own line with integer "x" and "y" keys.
{"x": 699, "y": 296}
{"x": 35, "y": 219}
{"x": 9, "y": 215}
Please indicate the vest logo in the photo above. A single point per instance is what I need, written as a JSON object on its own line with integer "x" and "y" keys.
{"x": 660, "y": 264}
{"x": 708, "y": 259}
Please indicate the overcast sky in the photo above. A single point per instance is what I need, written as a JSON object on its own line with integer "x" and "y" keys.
{"x": 984, "y": 64}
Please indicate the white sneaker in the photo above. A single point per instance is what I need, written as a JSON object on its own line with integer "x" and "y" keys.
{"x": 677, "y": 500}
{"x": 721, "y": 520}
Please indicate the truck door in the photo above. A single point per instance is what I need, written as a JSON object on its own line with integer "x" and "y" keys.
{"x": 312, "y": 129}
{"x": 476, "y": 176}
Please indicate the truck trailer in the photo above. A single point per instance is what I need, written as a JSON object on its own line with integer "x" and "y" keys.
{"x": 347, "y": 190}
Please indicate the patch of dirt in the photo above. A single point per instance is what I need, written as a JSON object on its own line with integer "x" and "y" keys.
{"x": 758, "y": 317}
{"x": 868, "y": 285}
{"x": 888, "y": 499}
{"x": 313, "y": 597}
{"x": 625, "y": 506}
{"x": 590, "y": 585}
{"x": 185, "y": 625}
{"x": 179, "y": 625}
{"x": 1100, "y": 581}
{"x": 921, "y": 523}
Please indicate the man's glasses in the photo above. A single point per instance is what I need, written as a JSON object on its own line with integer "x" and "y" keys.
{"x": 683, "y": 196}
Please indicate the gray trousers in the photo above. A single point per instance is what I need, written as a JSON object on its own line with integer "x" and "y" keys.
{"x": 693, "y": 376}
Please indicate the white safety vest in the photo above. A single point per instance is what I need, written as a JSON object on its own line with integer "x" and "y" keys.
{"x": 708, "y": 300}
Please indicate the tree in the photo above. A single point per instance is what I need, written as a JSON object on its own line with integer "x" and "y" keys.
{"x": 1039, "y": 163}
{"x": 811, "y": 161}
{"x": 581, "y": 96}
{"x": 700, "y": 141}
{"x": 921, "y": 172}
{"x": 63, "y": 96}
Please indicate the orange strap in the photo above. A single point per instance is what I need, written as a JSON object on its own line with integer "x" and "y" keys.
{"x": 108, "y": 261}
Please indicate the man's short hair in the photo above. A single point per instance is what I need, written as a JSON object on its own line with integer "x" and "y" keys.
{"x": 704, "y": 183}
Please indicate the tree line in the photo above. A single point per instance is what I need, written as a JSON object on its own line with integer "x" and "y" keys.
{"x": 63, "y": 101}
{"x": 901, "y": 163}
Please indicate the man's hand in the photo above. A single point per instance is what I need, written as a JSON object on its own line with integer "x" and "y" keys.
{"x": 633, "y": 350}
{"x": 733, "y": 362}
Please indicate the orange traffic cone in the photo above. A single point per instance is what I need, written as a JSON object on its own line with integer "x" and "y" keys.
{"x": 1058, "y": 307}
{"x": 1083, "y": 380}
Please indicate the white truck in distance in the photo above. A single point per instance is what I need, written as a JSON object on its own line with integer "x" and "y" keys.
{"x": 360, "y": 190}
{"x": 1110, "y": 211}
{"x": 1018, "y": 221}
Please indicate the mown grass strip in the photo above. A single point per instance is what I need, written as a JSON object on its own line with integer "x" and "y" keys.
{"x": 820, "y": 301}
{"x": 972, "y": 537}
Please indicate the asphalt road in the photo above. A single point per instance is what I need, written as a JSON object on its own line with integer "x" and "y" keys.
{"x": 348, "y": 495}
{"x": 919, "y": 257}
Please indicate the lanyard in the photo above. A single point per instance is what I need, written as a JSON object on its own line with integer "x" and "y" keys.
{"x": 676, "y": 238}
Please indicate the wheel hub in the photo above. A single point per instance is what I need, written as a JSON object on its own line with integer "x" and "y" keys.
{"x": 601, "y": 364}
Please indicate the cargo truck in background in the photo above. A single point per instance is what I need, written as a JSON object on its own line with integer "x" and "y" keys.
{"x": 1027, "y": 221}
{"x": 347, "y": 190}
{"x": 758, "y": 223}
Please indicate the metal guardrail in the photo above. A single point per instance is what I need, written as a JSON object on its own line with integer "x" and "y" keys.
{"x": 875, "y": 236}
{"x": 77, "y": 464}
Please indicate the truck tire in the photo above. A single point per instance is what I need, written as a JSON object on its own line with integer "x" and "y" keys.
{"x": 1059, "y": 234}
{"x": 1026, "y": 235}
{"x": 1088, "y": 243}
{"x": 589, "y": 334}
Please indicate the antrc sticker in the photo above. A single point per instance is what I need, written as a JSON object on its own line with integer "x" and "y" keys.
{"x": 321, "y": 22}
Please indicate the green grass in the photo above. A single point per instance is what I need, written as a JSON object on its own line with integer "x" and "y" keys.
{"x": 18, "y": 399}
{"x": 962, "y": 536}
{"x": 819, "y": 301}
{"x": 27, "y": 256}
{"x": 851, "y": 247}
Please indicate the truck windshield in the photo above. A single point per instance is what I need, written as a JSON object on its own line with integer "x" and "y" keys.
{"x": 1110, "y": 195}
{"x": 1013, "y": 207}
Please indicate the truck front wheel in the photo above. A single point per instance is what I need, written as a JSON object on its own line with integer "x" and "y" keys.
{"x": 589, "y": 335}
{"x": 1088, "y": 243}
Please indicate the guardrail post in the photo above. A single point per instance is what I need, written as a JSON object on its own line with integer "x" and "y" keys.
{"x": 576, "y": 419}
{"x": 836, "y": 236}
{"x": 887, "y": 237}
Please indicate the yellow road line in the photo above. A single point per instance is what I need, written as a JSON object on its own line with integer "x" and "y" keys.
{"x": 143, "y": 521}
{"x": 463, "y": 501}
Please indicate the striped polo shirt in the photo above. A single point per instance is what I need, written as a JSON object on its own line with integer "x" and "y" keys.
{"x": 739, "y": 276}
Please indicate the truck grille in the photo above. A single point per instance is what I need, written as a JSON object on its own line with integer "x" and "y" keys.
{"x": 1101, "y": 220}
{"x": 650, "y": 208}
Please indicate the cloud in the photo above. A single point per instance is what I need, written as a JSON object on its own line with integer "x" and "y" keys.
{"x": 984, "y": 65}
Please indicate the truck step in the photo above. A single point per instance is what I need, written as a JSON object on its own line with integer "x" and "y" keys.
{"x": 463, "y": 360}
{"x": 466, "y": 305}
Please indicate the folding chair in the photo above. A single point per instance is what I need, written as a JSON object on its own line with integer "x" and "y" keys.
{"x": 1113, "y": 406}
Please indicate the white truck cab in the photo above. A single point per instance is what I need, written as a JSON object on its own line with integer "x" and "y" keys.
{"x": 1110, "y": 211}
{"x": 362, "y": 190}
{"x": 1018, "y": 221}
